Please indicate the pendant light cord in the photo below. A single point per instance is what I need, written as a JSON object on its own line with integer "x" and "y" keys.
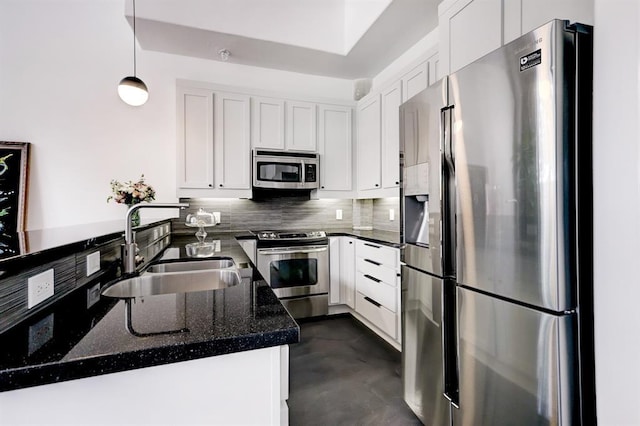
{"x": 134, "y": 38}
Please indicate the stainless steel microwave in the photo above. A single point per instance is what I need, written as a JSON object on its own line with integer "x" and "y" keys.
{"x": 285, "y": 170}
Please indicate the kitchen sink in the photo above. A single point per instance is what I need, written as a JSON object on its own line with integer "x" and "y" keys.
{"x": 150, "y": 284}
{"x": 191, "y": 265}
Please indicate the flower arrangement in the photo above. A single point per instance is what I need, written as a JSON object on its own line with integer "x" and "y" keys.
{"x": 131, "y": 192}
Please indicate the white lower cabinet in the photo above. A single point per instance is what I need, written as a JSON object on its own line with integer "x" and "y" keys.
{"x": 365, "y": 276}
{"x": 215, "y": 391}
{"x": 378, "y": 286}
{"x": 378, "y": 315}
{"x": 348, "y": 271}
{"x": 342, "y": 271}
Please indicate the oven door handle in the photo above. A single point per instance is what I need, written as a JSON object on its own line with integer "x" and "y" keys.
{"x": 270, "y": 252}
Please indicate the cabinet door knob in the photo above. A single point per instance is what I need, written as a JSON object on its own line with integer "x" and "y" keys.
{"x": 350, "y": 242}
{"x": 377, "y": 184}
{"x": 322, "y": 187}
{"x": 210, "y": 185}
{"x": 397, "y": 183}
{"x": 220, "y": 185}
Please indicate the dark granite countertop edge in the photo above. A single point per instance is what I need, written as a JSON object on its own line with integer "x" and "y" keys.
{"x": 20, "y": 378}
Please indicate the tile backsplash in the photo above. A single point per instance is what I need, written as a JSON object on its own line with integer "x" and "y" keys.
{"x": 381, "y": 214}
{"x": 276, "y": 213}
{"x": 292, "y": 213}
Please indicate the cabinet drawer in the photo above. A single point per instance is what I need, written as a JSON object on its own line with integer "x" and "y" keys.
{"x": 377, "y": 270}
{"x": 387, "y": 256}
{"x": 379, "y": 316}
{"x": 378, "y": 291}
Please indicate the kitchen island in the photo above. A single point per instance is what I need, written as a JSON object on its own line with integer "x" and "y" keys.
{"x": 214, "y": 357}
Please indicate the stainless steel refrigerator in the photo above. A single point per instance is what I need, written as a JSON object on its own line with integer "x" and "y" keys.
{"x": 497, "y": 225}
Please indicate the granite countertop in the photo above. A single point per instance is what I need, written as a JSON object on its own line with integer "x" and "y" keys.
{"x": 70, "y": 340}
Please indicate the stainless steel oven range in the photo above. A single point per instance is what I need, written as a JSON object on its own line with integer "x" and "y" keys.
{"x": 296, "y": 266}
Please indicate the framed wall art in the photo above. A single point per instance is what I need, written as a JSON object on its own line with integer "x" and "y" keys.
{"x": 14, "y": 160}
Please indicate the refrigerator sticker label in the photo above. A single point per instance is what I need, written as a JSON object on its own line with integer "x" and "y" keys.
{"x": 531, "y": 60}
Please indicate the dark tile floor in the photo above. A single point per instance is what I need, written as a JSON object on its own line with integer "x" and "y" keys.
{"x": 343, "y": 374}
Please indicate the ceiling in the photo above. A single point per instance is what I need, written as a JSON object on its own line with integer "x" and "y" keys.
{"x": 339, "y": 38}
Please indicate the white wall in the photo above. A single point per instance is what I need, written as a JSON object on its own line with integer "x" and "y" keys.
{"x": 60, "y": 64}
{"x": 617, "y": 210}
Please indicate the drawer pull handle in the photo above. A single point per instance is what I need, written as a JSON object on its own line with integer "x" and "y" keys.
{"x": 373, "y": 261}
{"x": 373, "y": 302}
{"x": 371, "y": 245}
{"x": 372, "y": 278}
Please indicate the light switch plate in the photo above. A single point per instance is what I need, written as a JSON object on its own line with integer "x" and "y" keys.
{"x": 217, "y": 245}
{"x": 339, "y": 214}
{"x": 216, "y": 216}
{"x": 392, "y": 214}
{"x": 39, "y": 288}
{"x": 93, "y": 263}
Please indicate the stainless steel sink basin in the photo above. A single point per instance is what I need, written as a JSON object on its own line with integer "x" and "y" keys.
{"x": 186, "y": 282}
{"x": 191, "y": 265}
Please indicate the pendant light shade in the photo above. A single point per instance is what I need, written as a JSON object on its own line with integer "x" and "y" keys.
{"x": 131, "y": 89}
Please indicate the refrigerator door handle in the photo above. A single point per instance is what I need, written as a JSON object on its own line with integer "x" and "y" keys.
{"x": 447, "y": 136}
{"x": 450, "y": 343}
{"x": 448, "y": 193}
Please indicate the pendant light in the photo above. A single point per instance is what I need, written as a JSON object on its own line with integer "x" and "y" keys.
{"x": 131, "y": 89}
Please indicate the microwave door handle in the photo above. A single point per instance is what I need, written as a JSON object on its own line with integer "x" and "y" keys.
{"x": 266, "y": 252}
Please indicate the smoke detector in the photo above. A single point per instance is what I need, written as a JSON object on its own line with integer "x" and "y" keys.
{"x": 224, "y": 54}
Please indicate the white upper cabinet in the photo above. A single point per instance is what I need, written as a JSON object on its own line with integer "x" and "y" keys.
{"x": 267, "y": 123}
{"x": 415, "y": 81}
{"x": 217, "y": 127}
{"x": 301, "y": 126}
{"x": 469, "y": 29}
{"x": 283, "y": 125}
{"x": 335, "y": 147}
{"x": 369, "y": 144}
{"x": 194, "y": 138}
{"x": 391, "y": 101}
{"x": 232, "y": 143}
{"x": 535, "y": 13}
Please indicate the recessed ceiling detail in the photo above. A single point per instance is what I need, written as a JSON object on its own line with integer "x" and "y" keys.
{"x": 340, "y": 38}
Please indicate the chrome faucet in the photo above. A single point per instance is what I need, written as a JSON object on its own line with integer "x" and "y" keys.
{"x": 129, "y": 248}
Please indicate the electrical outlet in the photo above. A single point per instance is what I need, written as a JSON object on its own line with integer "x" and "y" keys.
{"x": 40, "y": 333}
{"x": 93, "y": 295}
{"x": 339, "y": 214}
{"x": 392, "y": 214}
{"x": 216, "y": 244}
{"x": 93, "y": 263}
{"x": 216, "y": 216}
{"x": 39, "y": 288}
